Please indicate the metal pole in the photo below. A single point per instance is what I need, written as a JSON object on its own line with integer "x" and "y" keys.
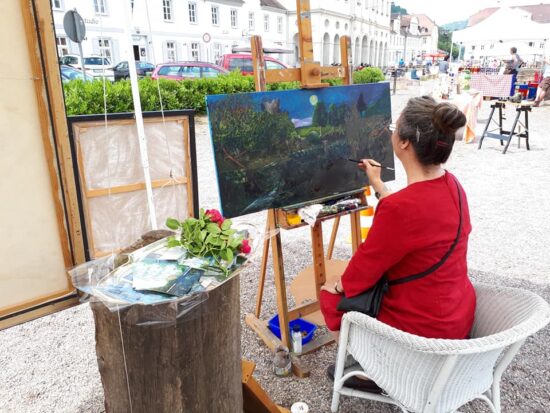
{"x": 139, "y": 116}
{"x": 78, "y": 35}
{"x": 451, "y": 54}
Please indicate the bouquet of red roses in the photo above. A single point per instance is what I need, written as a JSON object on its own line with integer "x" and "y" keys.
{"x": 210, "y": 235}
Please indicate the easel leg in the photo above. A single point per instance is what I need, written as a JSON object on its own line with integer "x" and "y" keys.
{"x": 333, "y": 238}
{"x": 279, "y": 274}
{"x": 318, "y": 257}
{"x": 516, "y": 120}
{"x": 263, "y": 270}
{"x": 500, "y": 121}
{"x": 355, "y": 231}
{"x": 486, "y": 126}
{"x": 527, "y": 110}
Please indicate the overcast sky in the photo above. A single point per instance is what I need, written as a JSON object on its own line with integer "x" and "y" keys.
{"x": 446, "y": 11}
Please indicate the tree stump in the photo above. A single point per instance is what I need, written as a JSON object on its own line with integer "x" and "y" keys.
{"x": 192, "y": 365}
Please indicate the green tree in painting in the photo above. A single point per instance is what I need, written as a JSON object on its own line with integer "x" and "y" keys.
{"x": 361, "y": 106}
{"x": 319, "y": 115}
{"x": 333, "y": 115}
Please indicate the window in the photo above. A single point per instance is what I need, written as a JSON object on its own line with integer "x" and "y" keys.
{"x": 96, "y": 61}
{"x": 542, "y": 45}
{"x": 279, "y": 24}
{"x": 482, "y": 47}
{"x": 273, "y": 65}
{"x": 167, "y": 10}
{"x": 57, "y": 4}
{"x": 62, "y": 46}
{"x": 531, "y": 44}
{"x": 234, "y": 18}
{"x": 195, "y": 52}
{"x": 171, "y": 55}
{"x": 192, "y": 12}
{"x": 266, "y": 22}
{"x": 492, "y": 45}
{"x": 100, "y": 6}
{"x": 105, "y": 47}
{"x": 69, "y": 60}
{"x": 215, "y": 15}
{"x": 218, "y": 51}
{"x": 191, "y": 71}
{"x": 473, "y": 48}
{"x": 210, "y": 72}
{"x": 243, "y": 64}
{"x": 170, "y": 70}
{"x": 251, "y": 22}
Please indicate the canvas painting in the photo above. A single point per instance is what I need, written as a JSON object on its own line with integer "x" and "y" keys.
{"x": 277, "y": 149}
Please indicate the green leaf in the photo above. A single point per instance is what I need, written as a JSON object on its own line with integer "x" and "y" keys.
{"x": 229, "y": 255}
{"x": 173, "y": 242}
{"x": 172, "y": 223}
{"x": 226, "y": 224}
{"x": 213, "y": 228}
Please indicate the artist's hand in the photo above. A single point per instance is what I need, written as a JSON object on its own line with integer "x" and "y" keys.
{"x": 333, "y": 287}
{"x": 373, "y": 172}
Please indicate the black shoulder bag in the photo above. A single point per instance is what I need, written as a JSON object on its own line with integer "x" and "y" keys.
{"x": 370, "y": 301}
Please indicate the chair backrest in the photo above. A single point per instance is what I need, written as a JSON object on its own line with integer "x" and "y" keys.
{"x": 410, "y": 368}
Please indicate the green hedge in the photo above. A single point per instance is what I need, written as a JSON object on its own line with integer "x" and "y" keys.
{"x": 86, "y": 98}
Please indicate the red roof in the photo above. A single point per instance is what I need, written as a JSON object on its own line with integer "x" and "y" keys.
{"x": 540, "y": 13}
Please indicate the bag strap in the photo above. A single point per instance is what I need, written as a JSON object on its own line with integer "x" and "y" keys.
{"x": 447, "y": 255}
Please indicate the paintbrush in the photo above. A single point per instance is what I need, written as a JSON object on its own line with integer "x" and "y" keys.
{"x": 378, "y": 166}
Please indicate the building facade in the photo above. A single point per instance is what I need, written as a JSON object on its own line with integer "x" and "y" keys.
{"x": 493, "y": 31}
{"x": 412, "y": 37}
{"x": 171, "y": 30}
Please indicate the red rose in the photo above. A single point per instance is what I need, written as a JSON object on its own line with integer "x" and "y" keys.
{"x": 214, "y": 215}
{"x": 245, "y": 247}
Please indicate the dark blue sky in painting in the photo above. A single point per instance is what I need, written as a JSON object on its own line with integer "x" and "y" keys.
{"x": 300, "y": 103}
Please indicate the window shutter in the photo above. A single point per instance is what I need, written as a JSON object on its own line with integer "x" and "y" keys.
{"x": 115, "y": 50}
{"x": 179, "y": 52}
{"x": 164, "y": 52}
{"x": 95, "y": 46}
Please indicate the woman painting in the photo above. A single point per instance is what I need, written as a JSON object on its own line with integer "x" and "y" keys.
{"x": 412, "y": 230}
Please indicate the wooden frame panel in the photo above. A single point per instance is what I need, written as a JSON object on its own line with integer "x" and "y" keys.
{"x": 78, "y": 125}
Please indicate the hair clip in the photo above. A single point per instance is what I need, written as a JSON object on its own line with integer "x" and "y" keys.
{"x": 442, "y": 144}
{"x": 417, "y": 135}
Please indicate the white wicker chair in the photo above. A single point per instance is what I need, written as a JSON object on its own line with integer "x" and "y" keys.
{"x": 435, "y": 375}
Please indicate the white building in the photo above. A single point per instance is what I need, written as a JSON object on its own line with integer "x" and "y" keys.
{"x": 367, "y": 22}
{"x": 492, "y": 32}
{"x": 171, "y": 30}
{"x": 412, "y": 36}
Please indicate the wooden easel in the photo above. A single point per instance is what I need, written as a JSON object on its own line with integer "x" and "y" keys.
{"x": 309, "y": 75}
{"x": 505, "y": 135}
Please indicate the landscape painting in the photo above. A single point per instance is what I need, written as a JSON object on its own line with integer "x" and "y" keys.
{"x": 276, "y": 149}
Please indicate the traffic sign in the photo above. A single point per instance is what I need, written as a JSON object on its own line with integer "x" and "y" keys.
{"x": 74, "y": 26}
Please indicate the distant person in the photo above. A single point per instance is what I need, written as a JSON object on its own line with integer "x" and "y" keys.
{"x": 544, "y": 84}
{"x": 514, "y": 63}
{"x": 401, "y": 63}
{"x": 444, "y": 66}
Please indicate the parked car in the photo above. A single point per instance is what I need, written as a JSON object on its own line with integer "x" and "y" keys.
{"x": 187, "y": 70}
{"x": 243, "y": 62}
{"x": 122, "y": 70}
{"x": 69, "y": 73}
{"x": 96, "y": 66}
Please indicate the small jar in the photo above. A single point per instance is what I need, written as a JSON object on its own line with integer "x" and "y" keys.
{"x": 296, "y": 340}
{"x": 299, "y": 407}
{"x": 282, "y": 363}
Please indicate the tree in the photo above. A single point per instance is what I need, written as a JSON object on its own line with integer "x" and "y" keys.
{"x": 333, "y": 115}
{"x": 361, "y": 106}
{"x": 395, "y": 9}
{"x": 444, "y": 42}
{"x": 319, "y": 115}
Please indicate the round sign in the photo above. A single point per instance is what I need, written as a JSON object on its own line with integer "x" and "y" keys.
{"x": 206, "y": 37}
{"x": 74, "y": 26}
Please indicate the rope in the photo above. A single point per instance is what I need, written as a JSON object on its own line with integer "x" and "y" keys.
{"x": 173, "y": 179}
{"x": 124, "y": 357}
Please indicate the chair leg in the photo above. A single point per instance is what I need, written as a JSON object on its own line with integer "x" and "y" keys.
{"x": 497, "y": 375}
{"x": 340, "y": 361}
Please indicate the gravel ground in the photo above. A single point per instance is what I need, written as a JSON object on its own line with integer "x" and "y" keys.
{"x": 49, "y": 365}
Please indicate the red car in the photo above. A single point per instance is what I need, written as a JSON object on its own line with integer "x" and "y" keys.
{"x": 187, "y": 70}
{"x": 243, "y": 62}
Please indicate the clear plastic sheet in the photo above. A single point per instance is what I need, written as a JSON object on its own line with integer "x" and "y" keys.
{"x": 104, "y": 280}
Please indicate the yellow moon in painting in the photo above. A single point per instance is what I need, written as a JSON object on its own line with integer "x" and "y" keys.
{"x": 313, "y": 100}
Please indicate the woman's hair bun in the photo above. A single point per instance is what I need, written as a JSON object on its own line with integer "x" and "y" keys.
{"x": 448, "y": 118}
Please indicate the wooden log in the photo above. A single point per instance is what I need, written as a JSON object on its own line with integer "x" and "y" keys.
{"x": 192, "y": 365}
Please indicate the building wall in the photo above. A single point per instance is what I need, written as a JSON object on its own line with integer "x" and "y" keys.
{"x": 367, "y": 22}
{"x": 176, "y": 37}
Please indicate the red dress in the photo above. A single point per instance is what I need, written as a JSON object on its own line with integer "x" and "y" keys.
{"x": 412, "y": 230}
